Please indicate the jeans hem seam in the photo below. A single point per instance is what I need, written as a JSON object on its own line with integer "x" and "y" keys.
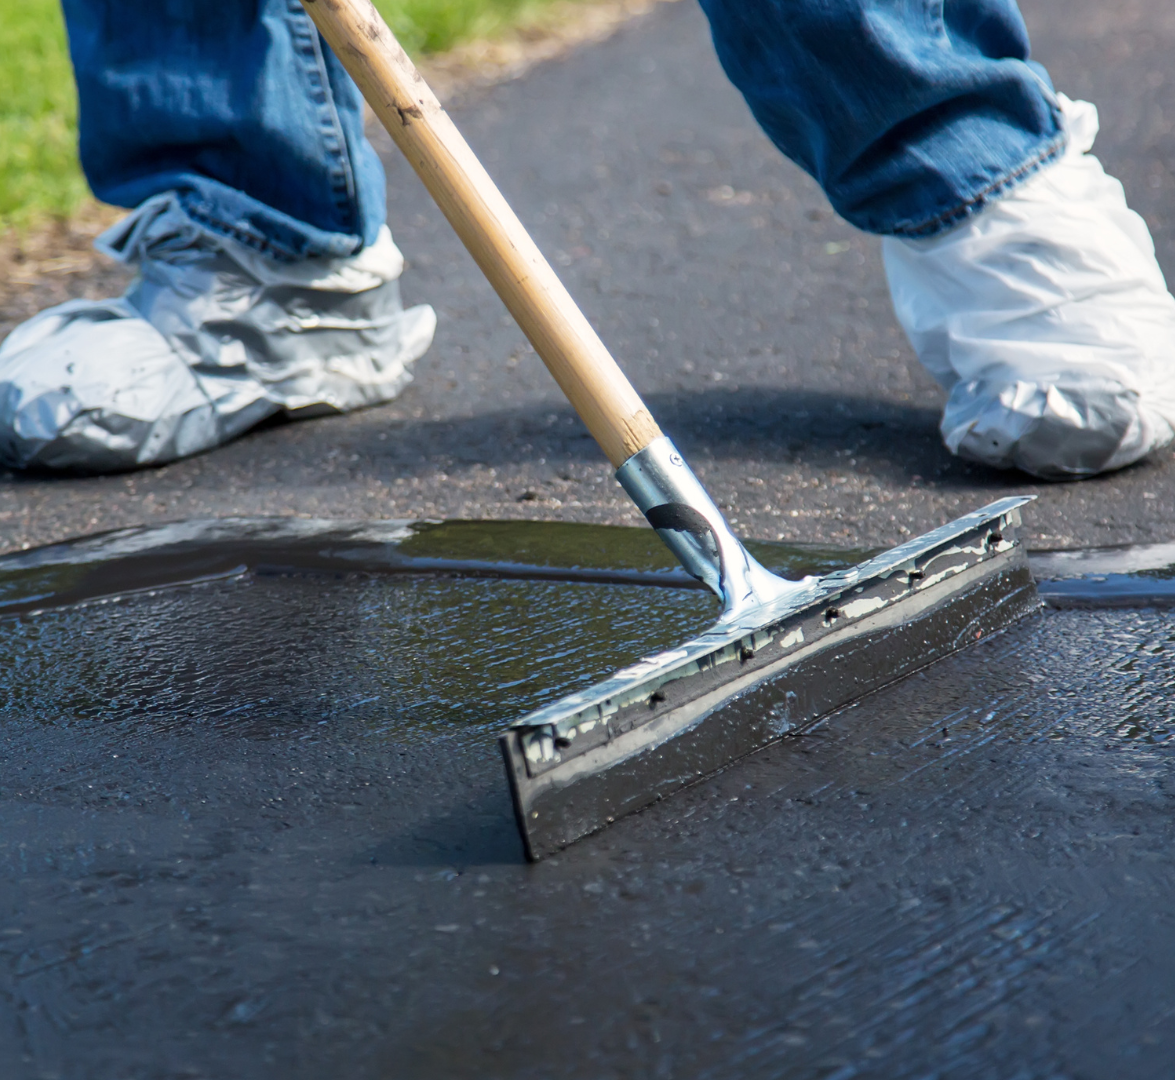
{"x": 257, "y": 241}
{"x": 970, "y": 206}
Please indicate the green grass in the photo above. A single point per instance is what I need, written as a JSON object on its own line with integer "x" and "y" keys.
{"x": 39, "y": 173}
{"x": 424, "y": 26}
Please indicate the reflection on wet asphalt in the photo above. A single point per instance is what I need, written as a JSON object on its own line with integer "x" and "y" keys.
{"x": 403, "y": 658}
{"x": 259, "y": 827}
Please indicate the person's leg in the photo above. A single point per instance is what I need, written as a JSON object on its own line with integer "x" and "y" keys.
{"x": 239, "y": 108}
{"x": 267, "y": 279}
{"x": 1047, "y": 319}
{"x": 1025, "y": 284}
{"x": 911, "y": 114}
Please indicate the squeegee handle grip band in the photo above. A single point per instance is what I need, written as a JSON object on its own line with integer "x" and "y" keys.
{"x": 489, "y": 229}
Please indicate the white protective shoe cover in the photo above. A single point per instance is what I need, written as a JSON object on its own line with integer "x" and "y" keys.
{"x": 209, "y": 339}
{"x": 1047, "y": 319}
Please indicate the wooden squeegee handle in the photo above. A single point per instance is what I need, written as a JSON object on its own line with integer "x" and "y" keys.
{"x": 509, "y": 258}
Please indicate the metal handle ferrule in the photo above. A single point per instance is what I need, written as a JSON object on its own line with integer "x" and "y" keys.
{"x": 673, "y": 500}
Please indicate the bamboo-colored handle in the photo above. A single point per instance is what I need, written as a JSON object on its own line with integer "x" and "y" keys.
{"x": 509, "y": 258}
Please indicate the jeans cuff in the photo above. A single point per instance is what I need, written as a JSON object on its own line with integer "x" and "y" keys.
{"x": 232, "y": 213}
{"x": 948, "y": 219}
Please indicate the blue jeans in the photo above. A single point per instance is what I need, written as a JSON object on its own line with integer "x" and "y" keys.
{"x": 239, "y": 107}
{"x": 910, "y": 113}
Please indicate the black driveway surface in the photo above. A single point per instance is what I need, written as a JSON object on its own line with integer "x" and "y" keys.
{"x": 257, "y": 827}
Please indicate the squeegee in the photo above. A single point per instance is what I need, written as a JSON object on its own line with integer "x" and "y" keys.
{"x": 782, "y": 653}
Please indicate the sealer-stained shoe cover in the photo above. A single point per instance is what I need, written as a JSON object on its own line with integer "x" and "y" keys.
{"x": 210, "y": 338}
{"x": 1047, "y": 319}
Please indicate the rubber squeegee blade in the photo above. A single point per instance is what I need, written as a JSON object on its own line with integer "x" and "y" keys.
{"x": 675, "y": 717}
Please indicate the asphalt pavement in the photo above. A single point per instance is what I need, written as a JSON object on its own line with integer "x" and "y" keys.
{"x": 755, "y": 322}
{"x": 258, "y": 826}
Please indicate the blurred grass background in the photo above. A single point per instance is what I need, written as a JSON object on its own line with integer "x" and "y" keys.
{"x": 39, "y": 174}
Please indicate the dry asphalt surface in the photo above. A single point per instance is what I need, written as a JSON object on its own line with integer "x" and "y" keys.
{"x": 756, "y": 323}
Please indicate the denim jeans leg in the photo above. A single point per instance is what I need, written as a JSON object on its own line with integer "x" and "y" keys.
{"x": 237, "y": 106}
{"x": 911, "y": 114}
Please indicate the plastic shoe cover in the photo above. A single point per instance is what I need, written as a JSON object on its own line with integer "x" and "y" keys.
{"x": 1047, "y": 319}
{"x": 209, "y": 339}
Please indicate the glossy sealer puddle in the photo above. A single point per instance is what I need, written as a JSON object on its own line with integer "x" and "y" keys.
{"x": 261, "y": 818}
